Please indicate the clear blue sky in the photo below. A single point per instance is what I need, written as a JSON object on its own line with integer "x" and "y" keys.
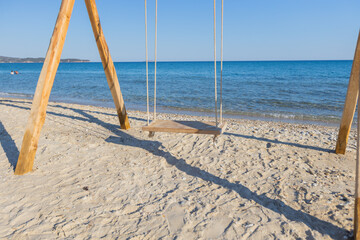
{"x": 253, "y": 29}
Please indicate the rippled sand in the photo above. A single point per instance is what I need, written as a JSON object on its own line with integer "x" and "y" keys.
{"x": 260, "y": 180}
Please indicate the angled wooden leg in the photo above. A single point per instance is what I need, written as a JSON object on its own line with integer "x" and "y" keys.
{"x": 350, "y": 103}
{"x": 108, "y": 64}
{"x": 43, "y": 89}
{"x": 357, "y": 182}
{"x": 357, "y": 218}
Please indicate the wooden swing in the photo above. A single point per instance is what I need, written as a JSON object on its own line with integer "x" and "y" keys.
{"x": 190, "y": 127}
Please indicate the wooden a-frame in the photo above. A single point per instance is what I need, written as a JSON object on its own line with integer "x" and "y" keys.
{"x": 352, "y": 97}
{"x": 350, "y": 103}
{"x": 47, "y": 76}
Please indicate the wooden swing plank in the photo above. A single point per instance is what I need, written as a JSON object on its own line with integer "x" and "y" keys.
{"x": 192, "y": 127}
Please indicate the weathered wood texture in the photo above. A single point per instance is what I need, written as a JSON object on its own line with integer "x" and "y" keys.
{"x": 193, "y": 127}
{"x": 46, "y": 79}
{"x": 357, "y": 179}
{"x": 357, "y": 219}
{"x": 350, "y": 103}
{"x": 108, "y": 64}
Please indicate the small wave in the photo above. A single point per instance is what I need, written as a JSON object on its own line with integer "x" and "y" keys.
{"x": 16, "y": 95}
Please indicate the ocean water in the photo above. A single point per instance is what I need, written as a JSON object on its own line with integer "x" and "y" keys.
{"x": 284, "y": 90}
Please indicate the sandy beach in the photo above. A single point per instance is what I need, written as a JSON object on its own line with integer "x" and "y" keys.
{"x": 91, "y": 180}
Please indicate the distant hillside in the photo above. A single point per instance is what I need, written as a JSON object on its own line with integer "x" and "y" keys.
{"x": 35, "y": 60}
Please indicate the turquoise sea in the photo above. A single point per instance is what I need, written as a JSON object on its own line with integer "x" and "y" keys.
{"x": 280, "y": 90}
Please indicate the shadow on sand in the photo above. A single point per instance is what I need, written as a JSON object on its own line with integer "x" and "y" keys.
{"x": 155, "y": 147}
{"x": 280, "y": 142}
{"x": 275, "y": 205}
{"x": 9, "y": 146}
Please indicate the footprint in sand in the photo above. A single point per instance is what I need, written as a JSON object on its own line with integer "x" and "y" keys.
{"x": 175, "y": 217}
{"x": 218, "y": 226}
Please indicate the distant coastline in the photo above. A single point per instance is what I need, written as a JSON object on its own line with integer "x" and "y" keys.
{"x": 37, "y": 60}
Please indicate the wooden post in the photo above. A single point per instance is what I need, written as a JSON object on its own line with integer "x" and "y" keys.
{"x": 350, "y": 103}
{"x": 357, "y": 181}
{"x": 108, "y": 64}
{"x": 43, "y": 89}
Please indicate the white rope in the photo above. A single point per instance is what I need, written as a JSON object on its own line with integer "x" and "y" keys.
{"x": 155, "y": 60}
{"x": 222, "y": 46}
{"x": 147, "y": 69}
{"x": 216, "y": 115}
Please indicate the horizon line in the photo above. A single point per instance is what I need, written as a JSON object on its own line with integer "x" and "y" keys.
{"x": 89, "y": 61}
{"x": 228, "y": 61}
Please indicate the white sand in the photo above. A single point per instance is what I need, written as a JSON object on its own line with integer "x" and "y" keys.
{"x": 262, "y": 180}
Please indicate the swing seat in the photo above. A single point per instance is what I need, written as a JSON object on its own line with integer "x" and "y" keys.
{"x": 191, "y": 127}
